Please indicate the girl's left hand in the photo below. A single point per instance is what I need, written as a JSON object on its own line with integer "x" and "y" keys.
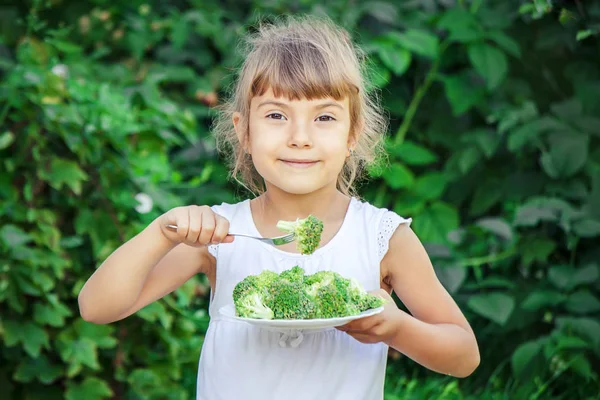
{"x": 377, "y": 328}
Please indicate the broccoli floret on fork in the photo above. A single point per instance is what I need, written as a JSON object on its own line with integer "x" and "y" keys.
{"x": 307, "y": 232}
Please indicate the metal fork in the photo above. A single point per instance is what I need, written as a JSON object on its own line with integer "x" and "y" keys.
{"x": 274, "y": 241}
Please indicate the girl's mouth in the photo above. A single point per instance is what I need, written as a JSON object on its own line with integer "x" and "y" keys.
{"x": 299, "y": 163}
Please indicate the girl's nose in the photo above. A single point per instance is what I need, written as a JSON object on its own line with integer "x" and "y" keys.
{"x": 300, "y": 136}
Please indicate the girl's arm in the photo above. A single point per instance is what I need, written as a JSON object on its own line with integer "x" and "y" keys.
{"x": 152, "y": 264}
{"x": 436, "y": 335}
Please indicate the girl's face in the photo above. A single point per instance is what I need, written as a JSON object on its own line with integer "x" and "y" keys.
{"x": 299, "y": 146}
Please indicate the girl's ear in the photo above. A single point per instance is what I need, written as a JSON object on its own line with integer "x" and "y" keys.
{"x": 240, "y": 127}
{"x": 355, "y": 134}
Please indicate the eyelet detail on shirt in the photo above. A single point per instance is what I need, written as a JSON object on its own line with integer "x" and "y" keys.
{"x": 387, "y": 226}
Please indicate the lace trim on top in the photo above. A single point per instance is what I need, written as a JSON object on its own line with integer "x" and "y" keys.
{"x": 387, "y": 227}
{"x": 213, "y": 249}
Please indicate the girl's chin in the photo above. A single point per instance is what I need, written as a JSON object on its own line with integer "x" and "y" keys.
{"x": 297, "y": 186}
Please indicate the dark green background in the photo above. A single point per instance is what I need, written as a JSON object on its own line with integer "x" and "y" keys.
{"x": 495, "y": 125}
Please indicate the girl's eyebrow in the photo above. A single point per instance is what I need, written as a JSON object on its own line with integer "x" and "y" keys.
{"x": 284, "y": 105}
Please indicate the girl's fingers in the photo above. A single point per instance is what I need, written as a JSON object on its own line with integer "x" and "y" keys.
{"x": 208, "y": 226}
{"x": 361, "y": 337}
{"x": 195, "y": 225}
{"x": 182, "y": 220}
{"x": 221, "y": 231}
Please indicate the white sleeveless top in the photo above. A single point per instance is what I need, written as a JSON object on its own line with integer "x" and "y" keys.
{"x": 243, "y": 361}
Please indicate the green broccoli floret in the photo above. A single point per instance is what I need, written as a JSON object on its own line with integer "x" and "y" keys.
{"x": 369, "y": 302}
{"x": 251, "y": 294}
{"x": 288, "y": 300}
{"x": 331, "y": 303}
{"x": 307, "y": 232}
{"x": 318, "y": 280}
{"x": 295, "y": 274}
{"x": 294, "y": 295}
{"x": 359, "y": 297}
{"x": 252, "y": 306}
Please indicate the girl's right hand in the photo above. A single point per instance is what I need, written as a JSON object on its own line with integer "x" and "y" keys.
{"x": 196, "y": 226}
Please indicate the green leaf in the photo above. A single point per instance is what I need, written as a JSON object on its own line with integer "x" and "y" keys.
{"x": 430, "y": 186}
{"x": 418, "y": 41}
{"x": 398, "y": 176}
{"x": 13, "y": 236}
{"x": 6, "y": 139}
{"x": 382, "y": 11}
{"x": 489, "y": 62}
{"x": 571, "y": 343}
{"x": 524, "y": 355}
{"x": 545, "y": 209}
{"x": 462, "y": 92}
{"x": 101, "y": 335}
{"x": 78, "y": 352}
{"x": 486, "y": 195}
{"x": 540, "y": 299}
{"x": 582, "y": 366}
{"x": 531, "y": 130}
{"x": 583, "y": 302}
{"x": 494, "y": 282}
{"x": 391, "y": 53}
{"x": 584, "y": 34}
{"x": 586, "y": 327}
{"x": 412, "y": 153}
{"x": 436, "y": 221}
{"x": 409, "y": 204}
{"x": 31, "y": 368}
{"x": 45, "y": 314}
{"x": 585, "y": 275}
{"x": 12, "y": 332}
{"x": 451, "y": 276}
{"x": 505, "y": 41}
{"x": 536, "y": 249}
{"x": 63, "y": 172}
{"x": 397, "y": 60}
{"x": 587, "y": 227}
{"x": 461, "y": 24}
{"x": 560, "y": 276}
{"x": 181, "y": 32}
{"x": 569, "y": 110}
{"x": 91, "y": 388}
{"x": 566, "y": 277}
{"x": 34, "y": 338}
{"x": 497, "y": 226}
{"x": 567, "y": 155}
{"x": 487, "y": 140}
{"x": 64, "y": 46}
{"x": 468, "y": 158}
{"x": 156, "y": 312}
{"x": 495, "y": 306}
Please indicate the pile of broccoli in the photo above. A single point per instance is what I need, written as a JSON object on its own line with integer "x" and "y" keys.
{"x": 294, "y": 295}
{"x": 307, "y": 232}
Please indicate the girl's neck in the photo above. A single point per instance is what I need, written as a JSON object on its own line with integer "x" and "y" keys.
{"x": 325, "y": 204}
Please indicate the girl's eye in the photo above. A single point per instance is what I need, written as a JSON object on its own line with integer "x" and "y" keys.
{"x": 325, "y": 118}
{"x": 275, "y": 116}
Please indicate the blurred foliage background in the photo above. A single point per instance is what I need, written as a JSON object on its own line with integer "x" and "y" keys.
{"x": 105, "y": 113}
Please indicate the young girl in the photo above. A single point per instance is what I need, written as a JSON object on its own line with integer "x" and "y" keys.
{"x": 300, "y": 127}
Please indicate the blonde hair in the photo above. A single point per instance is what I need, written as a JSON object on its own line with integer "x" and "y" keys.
{"x": 303, "y": 57}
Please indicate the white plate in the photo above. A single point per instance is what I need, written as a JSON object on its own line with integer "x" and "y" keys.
{"x": 318, "y": 323}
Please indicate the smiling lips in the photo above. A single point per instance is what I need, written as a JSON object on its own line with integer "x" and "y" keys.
{"x": 299, "y": 163}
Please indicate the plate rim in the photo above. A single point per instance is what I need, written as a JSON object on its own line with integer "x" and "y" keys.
{"x": 292, "y": 323}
